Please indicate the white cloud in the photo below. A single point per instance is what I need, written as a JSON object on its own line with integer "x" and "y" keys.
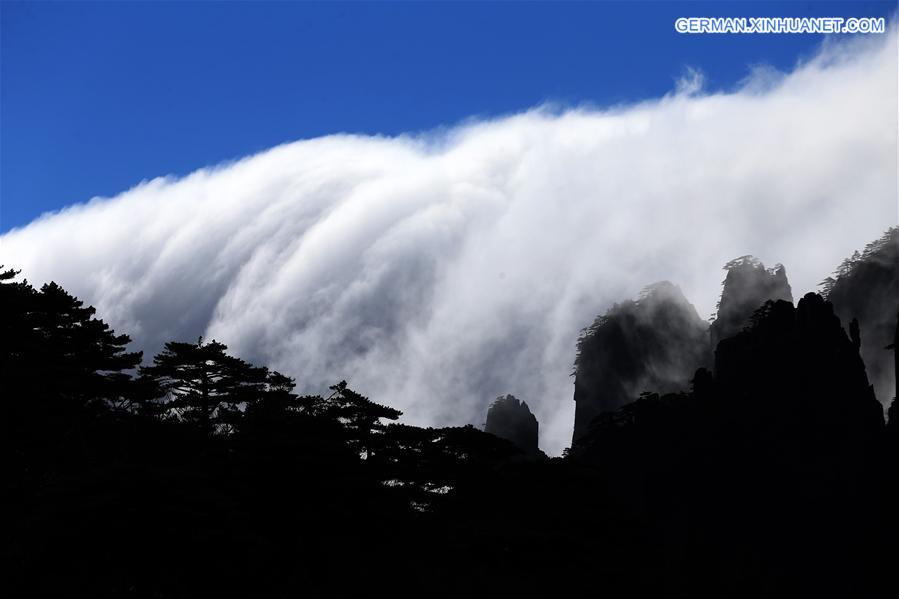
{"x": 690, "y": 83}
{"x": 436, "y": 272}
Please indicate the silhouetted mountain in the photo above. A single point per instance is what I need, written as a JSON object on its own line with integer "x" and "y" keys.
{"x": 765, "y": 476}
{"x": 893, "y": 414}
{"x": 653, "y": 343}
{"x": 813, "y": 379}
{"x": 866, "y": 287}
{"x": 747, "y": 286}
{"x": 205, "y": 475}
{"x": 511, "y": 419}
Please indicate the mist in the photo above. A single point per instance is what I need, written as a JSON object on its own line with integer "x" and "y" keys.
{"x": 435, "y": 271}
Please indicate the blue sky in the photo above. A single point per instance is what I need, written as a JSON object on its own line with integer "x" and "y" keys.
{"x": 95, "y": 97}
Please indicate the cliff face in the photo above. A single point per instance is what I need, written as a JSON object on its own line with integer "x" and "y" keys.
{"x": 511, "y": 419}
{"x": 658, "y": 341}
{"x": 655, "y": 343}
{"x": 866, "y": 287}
{"x": 893, "y": 413}
{"x": 747, "y": 286}
{"x": 788, "y": 407}
{"x": 795, "y": 387}
{"x": 800, "y": 365}
{"x": 778, "y": 455}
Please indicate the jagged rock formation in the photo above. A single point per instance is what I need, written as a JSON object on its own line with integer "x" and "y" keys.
{"x": 511, "y": 419}
{"x": 893, "y": 414}
{"x": 652, "y": 344}
{"x": 866, "y": 287}
{"x": 771, "y": 467}
{"x": 747, "y": 286}
{"x": 814, "y": 378}
{"x": 791, "y": 384}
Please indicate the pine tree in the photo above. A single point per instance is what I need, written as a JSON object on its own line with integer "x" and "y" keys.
{"x": 204, "y": 385}
{"x": 276, "y": 404}
{"x": 53, "y": 348}
{"x": 360, "y": 417}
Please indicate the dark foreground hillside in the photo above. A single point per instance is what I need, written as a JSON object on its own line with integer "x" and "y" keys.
{"x": 772, "y": 474}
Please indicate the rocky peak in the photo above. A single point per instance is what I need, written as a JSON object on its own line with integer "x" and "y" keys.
{"x": 747, "y": 286}
{"x": 511, "y": 419}
{"x": 653, "y": 343}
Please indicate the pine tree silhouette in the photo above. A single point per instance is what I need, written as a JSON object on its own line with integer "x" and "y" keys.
{"x": 204, "y": 385}
{"x": 56, "y": 359}
{"x": 360, "y": 417}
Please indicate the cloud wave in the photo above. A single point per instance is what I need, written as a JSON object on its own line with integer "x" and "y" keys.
{"x": 437, "y": 271}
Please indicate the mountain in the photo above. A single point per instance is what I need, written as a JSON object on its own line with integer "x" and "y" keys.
{"x": 866, "y": 287}
{"x": 653, "y": 343}
{"x": 769, "y": 474}
{"x": 814, "y": 378}
{"x": 511, "y": 419}
{"x": 746, "y": 287}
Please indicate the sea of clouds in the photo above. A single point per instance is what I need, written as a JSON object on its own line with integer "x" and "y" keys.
{"x": 436, "y": 271}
